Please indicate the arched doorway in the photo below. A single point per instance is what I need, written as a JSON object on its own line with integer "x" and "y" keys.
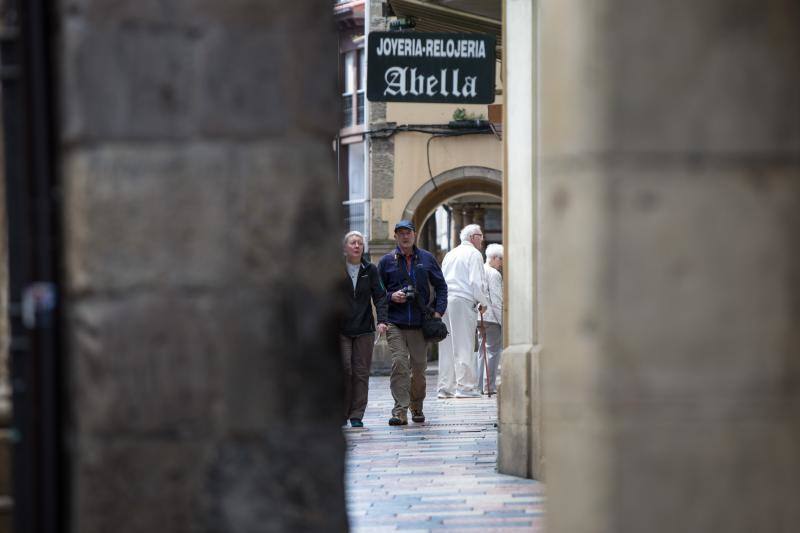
{"x": 453, "y": 199}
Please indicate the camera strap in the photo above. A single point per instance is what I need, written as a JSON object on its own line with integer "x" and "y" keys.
{"x": 426, "y": 311}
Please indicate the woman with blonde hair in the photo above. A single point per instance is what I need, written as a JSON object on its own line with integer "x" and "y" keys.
{"x": 361, "y": 288}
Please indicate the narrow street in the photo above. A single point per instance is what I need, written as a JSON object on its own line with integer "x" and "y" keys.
{"x": 436, "y": 475}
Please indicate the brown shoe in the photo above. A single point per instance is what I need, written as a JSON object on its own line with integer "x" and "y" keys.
{"x": 417, "y": 416}
{"x": 399, "y": 419}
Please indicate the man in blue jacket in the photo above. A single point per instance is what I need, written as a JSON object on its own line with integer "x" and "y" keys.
{"x": 408, "y": 273}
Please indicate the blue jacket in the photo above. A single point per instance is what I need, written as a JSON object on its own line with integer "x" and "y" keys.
{"x": 425, "y": 272}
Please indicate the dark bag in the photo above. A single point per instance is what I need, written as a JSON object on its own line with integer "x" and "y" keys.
{"x": 433, "y": 328}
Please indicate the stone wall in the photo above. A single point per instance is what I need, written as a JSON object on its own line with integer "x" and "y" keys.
{"x": 381, "y": 157}
{"x": 5, "y": 329}
{"x": 670, "y": 318}
{"x": 6, "y": 435}
{"x": 199, "y": 204}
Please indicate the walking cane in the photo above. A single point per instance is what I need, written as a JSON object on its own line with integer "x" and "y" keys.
{"x": 485, "y": 357}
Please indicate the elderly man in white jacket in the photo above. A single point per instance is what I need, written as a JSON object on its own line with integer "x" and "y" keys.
{"x": 466, "y": 281}
{"x": 492, "y": 319}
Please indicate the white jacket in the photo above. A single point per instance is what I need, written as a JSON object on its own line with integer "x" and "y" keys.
{"x": 494, "y": 281}
{"x": 463, "y": 271}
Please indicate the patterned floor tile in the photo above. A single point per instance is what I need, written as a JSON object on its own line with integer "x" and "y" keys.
{"x": 439, "y": 475}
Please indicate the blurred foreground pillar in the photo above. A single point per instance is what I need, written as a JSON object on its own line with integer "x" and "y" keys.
{"x": 670, "y": 264}
{"x": 520, "y": 436}
{"x": 199, "y": 212}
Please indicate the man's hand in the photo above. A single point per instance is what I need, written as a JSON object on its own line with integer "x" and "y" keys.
{"x": 382, "y": 328}
{"x": 399, "y": 297}
{"x": 437, "y": 315}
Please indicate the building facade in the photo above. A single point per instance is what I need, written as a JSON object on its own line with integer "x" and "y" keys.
{"x": 403, "y": 160}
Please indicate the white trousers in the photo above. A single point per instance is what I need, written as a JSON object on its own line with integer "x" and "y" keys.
{"x": 457, "y": 364}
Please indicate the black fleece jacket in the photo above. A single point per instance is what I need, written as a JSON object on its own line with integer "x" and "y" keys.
{"x": 358, "y": 319}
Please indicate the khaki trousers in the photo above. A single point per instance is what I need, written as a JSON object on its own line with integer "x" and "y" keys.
{"x": 356, "y": 360}
{"x": 409, "y": 361}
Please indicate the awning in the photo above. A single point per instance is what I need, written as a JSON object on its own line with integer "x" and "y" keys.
{"x": 456, "y": 16}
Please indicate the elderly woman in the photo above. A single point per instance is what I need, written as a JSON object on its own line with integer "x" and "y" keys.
{"x": 357, "y": 331}
{"x": 492, "y": 318}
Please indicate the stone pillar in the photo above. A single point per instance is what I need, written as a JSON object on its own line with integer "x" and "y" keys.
{"x": 479, "y": 216}
{"x": 376, "y": 22}
{"x": 5, "y": 330}
{"x": 430, "y": 238}
{"x": 467, "y": 214}
{"x": 381, "y": 157}
{"x": 520, "y": 429}
{"x": 458, "y": 221}
{"x": 6, "y": 435}
{"x": 199, "y": 212}
{"x": 670, "y": 317}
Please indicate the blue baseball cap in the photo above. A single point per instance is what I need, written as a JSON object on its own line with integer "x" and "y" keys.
{"x": 405, "y": 224}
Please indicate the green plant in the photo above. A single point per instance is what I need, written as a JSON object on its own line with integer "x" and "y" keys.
{"x": 461, "y": 114}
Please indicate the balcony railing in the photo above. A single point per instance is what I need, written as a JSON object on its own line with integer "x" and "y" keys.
{"x": 360, "y": 108}
{"x": 347, "y": 110}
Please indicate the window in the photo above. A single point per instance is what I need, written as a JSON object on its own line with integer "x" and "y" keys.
{"x": 493, "y": 225}
{"x": 349, "y": 88}
{"x": 354, "y": 187}
{"x": 356, "y": 212}
{"x": 442, "y": 215}
{"x": 355, "y": 164}
{"x": 354, "y": 80}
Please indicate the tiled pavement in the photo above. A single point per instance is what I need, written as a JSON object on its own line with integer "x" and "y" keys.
{"x": 436, "y": 475}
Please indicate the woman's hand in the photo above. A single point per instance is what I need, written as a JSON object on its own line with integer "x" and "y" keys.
{"x": 382, "y": 328}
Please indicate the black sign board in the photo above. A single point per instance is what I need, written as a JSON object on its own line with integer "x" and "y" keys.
{"x": 431, "y": 67}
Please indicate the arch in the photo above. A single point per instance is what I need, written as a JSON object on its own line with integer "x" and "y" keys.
{"x": 453, "y": 182}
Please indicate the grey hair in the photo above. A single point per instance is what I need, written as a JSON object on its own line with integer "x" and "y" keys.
{"x": 353, "y": 234}
{"x": 469, "y": 231}
{"x": 494, "y": 250}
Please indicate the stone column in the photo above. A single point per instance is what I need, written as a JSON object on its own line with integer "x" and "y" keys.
{"x": 670, "y": 316}
{"x": 199, "y": 212}
{"x": 520, "y": 430}
{"x": 381, "y": 158}
{"x": 431, "y": 236}
{"x": 5, "y": 330}
{"x": 458, "y": 220}
{"x": 478, "y": 216}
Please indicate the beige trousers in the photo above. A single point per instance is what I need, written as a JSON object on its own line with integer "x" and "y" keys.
{"x": 409, "y": 360}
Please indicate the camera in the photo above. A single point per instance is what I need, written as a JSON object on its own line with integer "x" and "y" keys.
{"x": 410, "y": 291}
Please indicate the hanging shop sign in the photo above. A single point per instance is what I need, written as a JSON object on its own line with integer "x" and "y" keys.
{"x": 431, "y": 67}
